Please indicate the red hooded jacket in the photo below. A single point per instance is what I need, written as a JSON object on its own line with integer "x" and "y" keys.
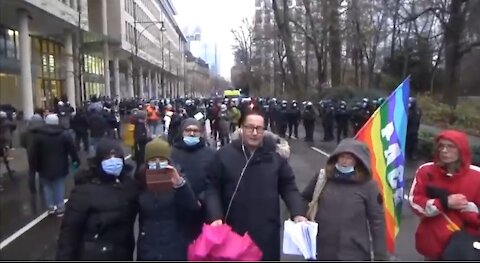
{"x": 429, "y": 198}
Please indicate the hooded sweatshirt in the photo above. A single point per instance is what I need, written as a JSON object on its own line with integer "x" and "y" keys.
{"x": 429, "y": 198}
{"x": 347, "y": 208}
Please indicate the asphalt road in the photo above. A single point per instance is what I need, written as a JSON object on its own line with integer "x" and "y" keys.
{"x": 27, "y": 234}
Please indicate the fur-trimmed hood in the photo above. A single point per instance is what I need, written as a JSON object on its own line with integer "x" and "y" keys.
{"x": 282, "y": 146}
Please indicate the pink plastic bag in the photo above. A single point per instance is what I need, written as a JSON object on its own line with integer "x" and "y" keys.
{"x": 220, "y": 243}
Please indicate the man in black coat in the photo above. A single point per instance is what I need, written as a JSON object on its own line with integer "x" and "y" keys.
{"x": 244, "y": 183}
{"x": 52, "y": 147}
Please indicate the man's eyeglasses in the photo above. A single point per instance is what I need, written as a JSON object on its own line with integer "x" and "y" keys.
{"x": 250, "y": 129}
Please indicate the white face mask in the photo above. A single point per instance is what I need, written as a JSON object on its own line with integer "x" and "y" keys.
{"x": 157, "y": 165}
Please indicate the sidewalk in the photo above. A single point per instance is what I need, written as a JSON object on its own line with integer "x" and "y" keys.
{"x": 474, "y": 140}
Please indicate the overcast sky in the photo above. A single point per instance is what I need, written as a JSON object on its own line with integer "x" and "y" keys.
{"x": 216, "y": 19}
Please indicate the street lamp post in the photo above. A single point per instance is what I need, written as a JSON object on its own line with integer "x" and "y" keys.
{"x": 136, "y": 39}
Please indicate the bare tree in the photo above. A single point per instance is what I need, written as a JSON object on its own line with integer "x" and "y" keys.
{"x": 244, "y": 38}
{"x": 282, "y": 19}
{"x": 335, "y": 41}
{"x": 316, "y": 36}
{"x": 452, "y": 16}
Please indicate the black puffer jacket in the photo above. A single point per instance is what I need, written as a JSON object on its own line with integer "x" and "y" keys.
{"x": 162, "y": 235}
{"x": 100, "y": 216}
{"x": 98, "y": 125}
{"x": 51, "y": 148}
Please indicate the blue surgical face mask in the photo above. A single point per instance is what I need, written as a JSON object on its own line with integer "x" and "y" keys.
{"x": 345, "y": 169}
{"x": 191, "y": 140}
{"x": 113, "y": 166}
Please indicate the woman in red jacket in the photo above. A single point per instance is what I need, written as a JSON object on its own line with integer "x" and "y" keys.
{"x": 448, "y": 187}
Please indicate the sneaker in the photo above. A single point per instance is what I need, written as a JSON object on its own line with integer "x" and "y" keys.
{"x": 60, "y": 212}
{"x": 51, "y": 211}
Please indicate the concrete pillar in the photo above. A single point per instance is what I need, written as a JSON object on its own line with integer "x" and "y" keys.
{"x": 157, "y": 83}
{"x": 25, "y": 65}
{"x": 106, "y": 57}
{"x": 150, "y": 84}
{"x": 116, "y": 77}
{"x": 70, "y": 76}
{"x": 131, "y": 92}
{"x": 140, "y": 82}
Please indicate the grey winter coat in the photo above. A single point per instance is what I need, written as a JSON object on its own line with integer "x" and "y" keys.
{"x": 349, "y": 209}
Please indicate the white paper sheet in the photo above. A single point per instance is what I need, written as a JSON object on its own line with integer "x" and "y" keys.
{"x": 198, "y": 116}
{"x": 300, "y": 239}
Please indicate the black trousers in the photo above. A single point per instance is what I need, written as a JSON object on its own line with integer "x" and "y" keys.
{"x": 282, "y": 129}
{"x": 82, "y": 137}
{"x": 309, "y": 128}
{"x": 293, "y": 126}
{"x": 411, "y": 145}
{"x": 342, "y": 131}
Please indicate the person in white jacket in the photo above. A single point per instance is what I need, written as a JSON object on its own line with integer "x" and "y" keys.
{"x": 168, "y": 118}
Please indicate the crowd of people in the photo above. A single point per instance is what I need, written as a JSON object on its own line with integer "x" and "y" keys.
{"x": 180, "y": 181}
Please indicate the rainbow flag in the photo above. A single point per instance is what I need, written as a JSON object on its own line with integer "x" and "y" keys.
{"x": 385, "y": 135}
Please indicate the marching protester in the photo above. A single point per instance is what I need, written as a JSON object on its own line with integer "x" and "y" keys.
{"x": 348, "y": 206}
{"x": 246, "y": 177}
{"x": 80, "y": 128}
{"x": 445, "y": 194}
{"x": 7, "y": 127}
{"x": 52, "y": 147}
{"x": 100, "y": 214}
{"x": 27, "y": 142}
{"x": 163, "y": 204}
{"x": 193, "y": 156}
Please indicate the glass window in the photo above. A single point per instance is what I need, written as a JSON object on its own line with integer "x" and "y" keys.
{"x": 97, "y": 66}
{"x": 17, "y": 45}
{"x": 44, "y": 65}
{"x": 101, "y": 67}
{"x": 89, "y": 64}
{"x": 44, "y": 46}
{"x": 10, "y": 43}
{"x": 2, "y": 42}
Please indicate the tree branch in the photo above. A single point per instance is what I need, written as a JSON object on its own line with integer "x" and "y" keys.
{"x": 435, "y": 10}
{"x": 469, "y": 48}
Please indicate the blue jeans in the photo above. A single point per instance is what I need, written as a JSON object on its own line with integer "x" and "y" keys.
{"x": 54, "y": 192}
{"x": 153, "y": 128}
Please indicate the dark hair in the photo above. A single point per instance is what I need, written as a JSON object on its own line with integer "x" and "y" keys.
{"x": 254, "y": 111}
{"x": 39, "y": 111}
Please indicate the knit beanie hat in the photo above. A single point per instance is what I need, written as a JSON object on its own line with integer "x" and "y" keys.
{"x": 157, "y": 148}
{"x": 191, "y": 121}
{"x": 51, "y": 119}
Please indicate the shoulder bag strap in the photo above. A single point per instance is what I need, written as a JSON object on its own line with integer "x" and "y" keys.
{"x": 313, "y": 205}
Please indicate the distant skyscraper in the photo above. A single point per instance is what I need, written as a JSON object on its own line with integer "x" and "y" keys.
{"x": 202, "y": 48}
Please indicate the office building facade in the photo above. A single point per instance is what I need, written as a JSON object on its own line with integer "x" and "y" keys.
{"x": 80, "y": 48}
